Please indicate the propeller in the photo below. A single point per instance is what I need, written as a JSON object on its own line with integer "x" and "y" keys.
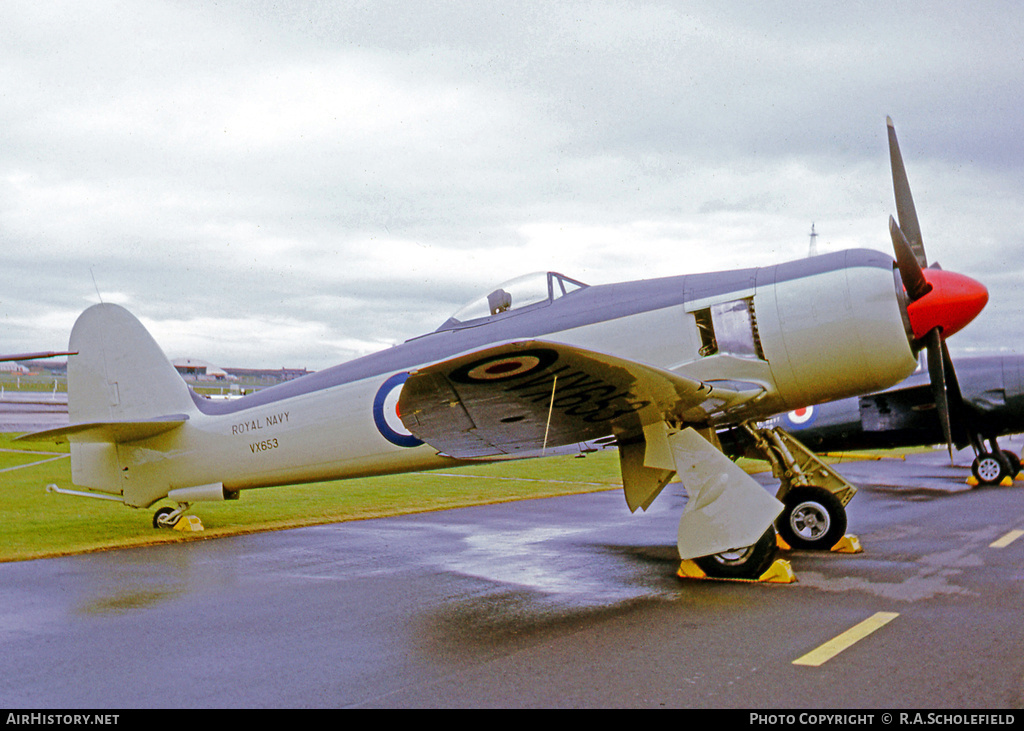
{"x": 939, "y": 303}
{"x": 911, "y": 272}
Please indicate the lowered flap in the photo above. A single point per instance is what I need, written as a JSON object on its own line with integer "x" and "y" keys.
{"x": 646, "y": 466}
{"x": 107, "y": 431}
{"x": 524, "y": 396}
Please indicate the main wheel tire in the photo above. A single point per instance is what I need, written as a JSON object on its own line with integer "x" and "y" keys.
{"x": 1014, "y": 462}
{"x": 990, "y": 468}
{"x": 812, "y": 518}
{"x": 741, "y": 563}
{"x": 158, "y": 523}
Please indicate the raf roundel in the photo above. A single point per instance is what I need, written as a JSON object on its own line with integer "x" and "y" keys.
{"x": 385, "y": 413}
{"x": 801, "y": 417}
{"x": 504, "y": 367}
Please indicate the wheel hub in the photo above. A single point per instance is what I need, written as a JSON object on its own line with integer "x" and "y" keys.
{"x": 809, "y": 520}
{"x": 989, "y": 469}
{"x": 734, "y": 556}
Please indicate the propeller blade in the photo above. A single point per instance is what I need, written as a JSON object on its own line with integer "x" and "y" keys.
{"x": 961, "y": 421}
{"x": 910, "y": 268}
{"x": 904, "y": 200}
{"x": 937, "y": 373}
{"x": 958, "y": 423}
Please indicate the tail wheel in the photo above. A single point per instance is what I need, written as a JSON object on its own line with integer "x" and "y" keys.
{"x": 741, "y": 563}
{"x": 161, "y": 519}
{"x": 812, "y": 518}
{"x": 991, "y": 468}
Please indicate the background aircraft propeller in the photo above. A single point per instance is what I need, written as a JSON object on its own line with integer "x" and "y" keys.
{"x": 932, "y": 320}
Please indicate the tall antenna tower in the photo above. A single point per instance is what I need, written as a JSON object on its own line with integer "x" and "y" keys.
{"x": 814, "y": 244}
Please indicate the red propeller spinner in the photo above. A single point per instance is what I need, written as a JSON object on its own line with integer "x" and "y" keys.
{"x": 953, "y": 300}
{"x": 938, "y": 299}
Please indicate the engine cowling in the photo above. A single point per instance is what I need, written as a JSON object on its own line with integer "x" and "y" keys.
{"x": 836, "y": 332}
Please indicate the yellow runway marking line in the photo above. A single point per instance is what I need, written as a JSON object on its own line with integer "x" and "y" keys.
{"x": 830, "y": 649}
{"x": 1007, "y": 539}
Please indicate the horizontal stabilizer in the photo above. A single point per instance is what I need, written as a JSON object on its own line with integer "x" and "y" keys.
{"x": 34, "y": 356}
{"x": 107, "y": 431}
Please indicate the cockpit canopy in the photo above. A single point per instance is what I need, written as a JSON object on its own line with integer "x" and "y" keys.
{"x": 530, "y": 290}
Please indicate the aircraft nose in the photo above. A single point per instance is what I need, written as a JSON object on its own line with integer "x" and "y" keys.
{"x": 954, "y": 300}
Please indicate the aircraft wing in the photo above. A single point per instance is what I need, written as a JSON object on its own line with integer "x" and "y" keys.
{"x": 33, "y": 356}
{"x": 525, "y": 396}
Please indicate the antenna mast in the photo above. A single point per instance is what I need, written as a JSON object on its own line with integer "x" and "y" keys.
{"x": 814, "y": 244}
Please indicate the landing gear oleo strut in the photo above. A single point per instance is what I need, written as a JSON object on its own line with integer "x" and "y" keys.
{"x": 814, "y": 495}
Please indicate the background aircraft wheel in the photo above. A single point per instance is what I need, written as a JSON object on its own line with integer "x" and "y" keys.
{"x": 990, "y": 468}
{"x": 157, "y": 523}
{"x": 812, "y": 517}
{"x": 741, "y": 563}
{"x": 1014, "y": 462}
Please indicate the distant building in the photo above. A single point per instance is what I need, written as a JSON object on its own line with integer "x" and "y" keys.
{"x": 193, "y": 369}
{"x": 200, "y": 370}
{"x": 267, "y": 375}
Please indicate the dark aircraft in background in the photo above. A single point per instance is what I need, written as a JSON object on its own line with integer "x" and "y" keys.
{"x": 985, "y": 402}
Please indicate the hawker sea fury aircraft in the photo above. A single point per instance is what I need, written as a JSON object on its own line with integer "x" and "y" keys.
{"x": 656, "y": 365}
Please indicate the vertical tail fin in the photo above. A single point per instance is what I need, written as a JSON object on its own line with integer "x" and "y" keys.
{"x": 119, "y": 373}
{"x": 121, "y": 388}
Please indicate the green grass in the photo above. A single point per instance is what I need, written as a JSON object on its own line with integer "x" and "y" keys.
{"x": 36, "y": 524}
{"x": 35, "y": 382}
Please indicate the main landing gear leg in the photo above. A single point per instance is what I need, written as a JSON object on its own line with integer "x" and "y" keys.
{"x": 814, "y": 495}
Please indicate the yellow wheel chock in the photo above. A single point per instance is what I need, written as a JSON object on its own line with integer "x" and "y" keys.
{"x": 780, "y": 572}
{"x": 847, "y": 544}
{"x": 190, "y": 523}
{"x": 1007, "y": 481}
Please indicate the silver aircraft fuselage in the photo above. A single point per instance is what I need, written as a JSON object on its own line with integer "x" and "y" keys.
{"x": 797, "y": 333}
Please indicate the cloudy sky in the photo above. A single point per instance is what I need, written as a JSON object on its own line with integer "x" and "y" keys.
{"x": 295, "y": 184}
